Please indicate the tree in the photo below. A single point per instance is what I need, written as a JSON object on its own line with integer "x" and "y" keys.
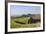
{"x": 30, "y": 20}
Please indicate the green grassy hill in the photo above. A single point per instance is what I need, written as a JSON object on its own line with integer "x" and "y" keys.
{"x": 23, "y": 20}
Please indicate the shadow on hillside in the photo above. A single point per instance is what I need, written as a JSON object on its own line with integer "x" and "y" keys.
{"x": 33, "y": 21}
{"x": 30, "y": 21}
{"x": 19, "y": 22}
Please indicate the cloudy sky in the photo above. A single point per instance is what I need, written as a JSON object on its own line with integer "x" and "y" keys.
{"x": 19, "y": 10}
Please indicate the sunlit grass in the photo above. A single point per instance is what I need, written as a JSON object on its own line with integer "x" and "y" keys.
{"x": 24, "y": 20}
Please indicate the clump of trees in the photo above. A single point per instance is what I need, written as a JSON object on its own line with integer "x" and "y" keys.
{"x": 30, "y": 20}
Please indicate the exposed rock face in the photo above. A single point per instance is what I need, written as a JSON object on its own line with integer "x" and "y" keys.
{"x": 34, "y": 19}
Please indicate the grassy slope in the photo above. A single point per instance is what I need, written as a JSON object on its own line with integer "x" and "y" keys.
{"x": 23, "y": 19}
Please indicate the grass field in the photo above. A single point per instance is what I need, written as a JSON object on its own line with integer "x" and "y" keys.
{"x": 24, "y": 20}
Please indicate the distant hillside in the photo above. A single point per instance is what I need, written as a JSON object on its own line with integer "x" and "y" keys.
{"x": 28, "y": 15}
